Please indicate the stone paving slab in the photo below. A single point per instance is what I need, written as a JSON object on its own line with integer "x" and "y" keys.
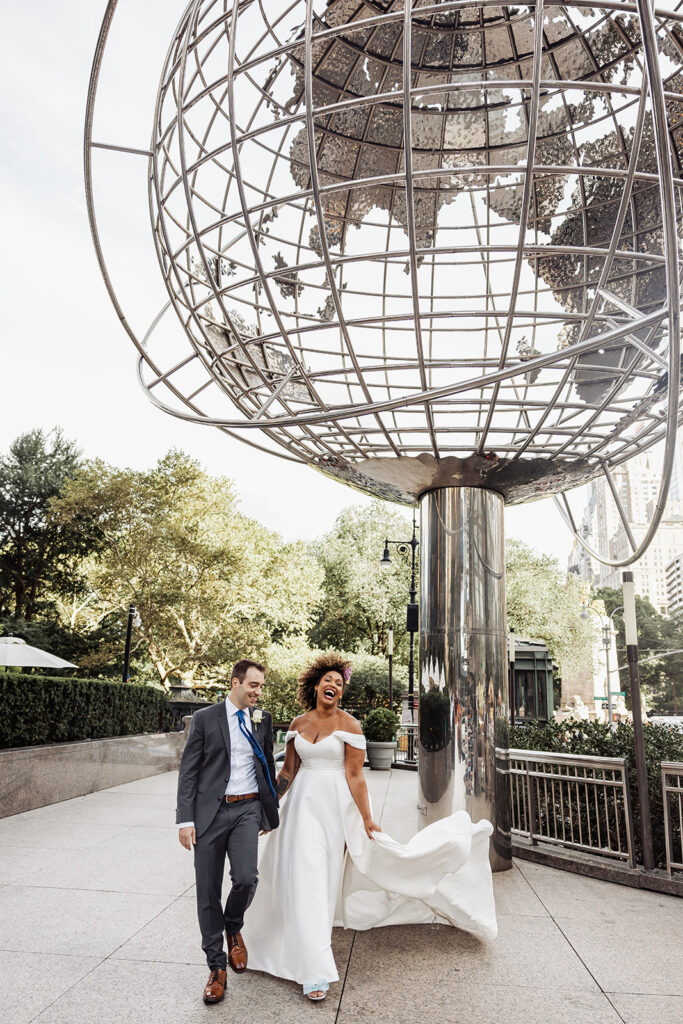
{"x": 98, "y": 922}
{"x": 29, "y": 982}
{"x": 72, "y": 921}
{"x": 641, "y": 1009}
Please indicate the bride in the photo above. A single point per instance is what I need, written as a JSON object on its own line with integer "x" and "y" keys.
{"x": 329, "y": 863}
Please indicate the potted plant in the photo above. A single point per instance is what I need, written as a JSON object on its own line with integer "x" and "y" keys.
{"x": 380, "y": 728}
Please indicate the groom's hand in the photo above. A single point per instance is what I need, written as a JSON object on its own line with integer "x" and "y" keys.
{"x": 188, "y": 837}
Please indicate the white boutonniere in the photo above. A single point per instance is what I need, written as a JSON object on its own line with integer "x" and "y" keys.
{"x": 257, "y": 717}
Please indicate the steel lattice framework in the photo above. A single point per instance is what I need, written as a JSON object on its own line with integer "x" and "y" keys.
{"x": 494, "y": 302}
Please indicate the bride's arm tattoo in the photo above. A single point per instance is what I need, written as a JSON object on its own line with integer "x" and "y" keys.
{"x": 284, "y": 781}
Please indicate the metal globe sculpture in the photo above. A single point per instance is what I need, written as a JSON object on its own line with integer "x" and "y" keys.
{"x": 495, "y": 303}
{"x": 424, "y": 247}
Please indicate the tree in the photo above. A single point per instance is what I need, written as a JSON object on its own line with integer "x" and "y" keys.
{"x": 210, "y": 585}
{"x": 360, "y": 599}
{"x": 38, "y": 551}
{"x": 661, "y": 679}
{"x": 545, "y": 603}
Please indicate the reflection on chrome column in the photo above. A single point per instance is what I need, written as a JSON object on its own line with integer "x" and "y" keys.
{"x": 463, "y": 688}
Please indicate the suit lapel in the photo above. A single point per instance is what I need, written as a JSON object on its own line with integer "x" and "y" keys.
{"x": 254, "y": 727}
{"x": 223, "y": 724}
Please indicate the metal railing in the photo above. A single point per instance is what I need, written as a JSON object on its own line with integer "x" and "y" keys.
{"x": 573, "y": 801}
{"x": 406, "y": 750}
{"x": 672, "y": 798}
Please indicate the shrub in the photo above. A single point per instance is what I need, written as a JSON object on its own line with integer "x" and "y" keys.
{"x": 380, "y": 725}
{"x": 49, "y": 709}
{"x": 662, "y": 743}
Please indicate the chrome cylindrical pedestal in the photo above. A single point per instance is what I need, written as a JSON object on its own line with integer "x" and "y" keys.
{"x": 463, "y": 693}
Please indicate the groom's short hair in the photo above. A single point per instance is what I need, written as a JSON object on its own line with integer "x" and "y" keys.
{"x": 242, "y": 667}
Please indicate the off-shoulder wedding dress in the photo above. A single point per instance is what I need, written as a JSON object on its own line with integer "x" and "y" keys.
{"x": 319, "y": 869}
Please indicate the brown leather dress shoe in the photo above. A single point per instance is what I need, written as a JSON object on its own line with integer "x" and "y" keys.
{"x": 215, "y": 986}
{"x": 237, "y": 953}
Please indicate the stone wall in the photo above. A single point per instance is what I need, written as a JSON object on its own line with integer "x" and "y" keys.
{"x": 35, "y": 776}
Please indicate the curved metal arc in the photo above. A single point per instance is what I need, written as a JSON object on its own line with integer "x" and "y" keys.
{"x": 410, "y": 208}
{"x": 87, "y": 164}
{"x": 250, "y": 232}
{"x": 322, "y": 227}
{"x": 615, "y": 6}
{"x": 94, "y": 231}
{"x": 673, "y": 293}
{"x": 154, "y": 184}
{"x": 418, "y": 398}
{"x": 524, "y": 212}
{"x": 604, "y": 273}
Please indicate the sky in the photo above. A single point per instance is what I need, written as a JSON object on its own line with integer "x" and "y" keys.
{"x": 66, "y": 359}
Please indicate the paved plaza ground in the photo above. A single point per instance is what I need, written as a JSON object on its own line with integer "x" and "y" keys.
{"x": 98, "y": 924}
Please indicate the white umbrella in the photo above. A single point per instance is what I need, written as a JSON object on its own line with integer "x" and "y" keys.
{"x": 14, "y": 651}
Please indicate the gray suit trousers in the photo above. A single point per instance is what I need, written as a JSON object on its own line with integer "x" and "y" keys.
{"x": 234, "y": 831}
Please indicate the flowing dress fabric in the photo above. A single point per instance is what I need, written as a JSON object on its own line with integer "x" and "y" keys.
{"x": 308, "y": 882}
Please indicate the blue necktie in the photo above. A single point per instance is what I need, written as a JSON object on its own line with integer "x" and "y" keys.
{"x": 257, "y": 750}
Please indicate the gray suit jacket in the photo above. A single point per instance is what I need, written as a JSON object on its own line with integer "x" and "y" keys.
{"x": 205, "y": 768}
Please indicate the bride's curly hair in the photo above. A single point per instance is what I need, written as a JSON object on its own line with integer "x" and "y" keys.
{"x": 313, "y": 673}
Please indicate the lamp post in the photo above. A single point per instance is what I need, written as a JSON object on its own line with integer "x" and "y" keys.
{"x": 133, "y": 620}
{"x": 638, "y": 738}
{"x": 511, "y": 673}
{"x": 412, "y": 618}
{"x": 606, "y": 642}
{"x": 390, "y": 654}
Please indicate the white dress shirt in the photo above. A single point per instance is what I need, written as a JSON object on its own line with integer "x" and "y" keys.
{"x": 242, "y": 768}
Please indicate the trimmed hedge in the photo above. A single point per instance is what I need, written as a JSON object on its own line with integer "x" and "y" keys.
{"x": 51, "y": 709}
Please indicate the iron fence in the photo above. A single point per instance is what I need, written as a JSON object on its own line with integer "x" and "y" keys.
{"x": 570, "y": 800}
{"x": 406, "y": 749}
{"x": 672, "y": 798}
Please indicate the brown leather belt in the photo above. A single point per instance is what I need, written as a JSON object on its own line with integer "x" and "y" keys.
{"x": 241, "y": 796}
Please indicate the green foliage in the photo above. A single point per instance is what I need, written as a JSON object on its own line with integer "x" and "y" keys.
{"x": 368, "y": 687}
{"x": 359, "y": 599}
{"x": 53, "y": 635}
{"x": 545, "y": 603}
{"x": 662, "y": 743}
{"x": 661, "y": 678}
{"x": 380, "y": 725}
{"x": 210, "y": 585}
{"x": 38, "y": 552}
{"x": 49, "y": 709}
{"x": 283, "y": 663}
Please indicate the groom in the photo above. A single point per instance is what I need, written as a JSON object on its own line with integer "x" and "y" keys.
{"x": 226, "y": 794}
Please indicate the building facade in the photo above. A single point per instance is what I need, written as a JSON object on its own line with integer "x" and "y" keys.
{"x": 674, "y": 585}
{"x": 637, "y": 483}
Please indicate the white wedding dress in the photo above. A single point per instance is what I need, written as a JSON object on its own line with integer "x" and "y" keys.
{"x": 319, "y": 869}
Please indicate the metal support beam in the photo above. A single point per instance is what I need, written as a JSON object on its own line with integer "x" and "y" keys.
{"x": 463, "y": 691}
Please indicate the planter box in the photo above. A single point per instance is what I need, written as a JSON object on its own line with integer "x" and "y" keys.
{"x": 381, "y": 755}
{"x": 35, "y": 776}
